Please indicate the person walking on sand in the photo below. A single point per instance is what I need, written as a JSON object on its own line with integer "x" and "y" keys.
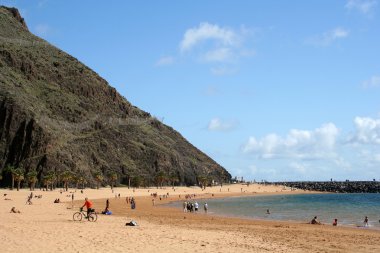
{"x": 205, "y": 207}
{"x": 185, "y": 207}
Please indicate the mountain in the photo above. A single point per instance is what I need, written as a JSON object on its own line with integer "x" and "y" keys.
{"x": 58, "y": 115}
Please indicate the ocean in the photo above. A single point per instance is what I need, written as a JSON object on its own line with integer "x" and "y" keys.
{"x": 350, "y": 209}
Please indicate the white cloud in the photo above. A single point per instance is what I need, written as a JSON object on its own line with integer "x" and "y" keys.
{"x": 219, "y": 54}
{"x": 206, "y": 31}
{"x": 373, "y": 82}
{"x": 164, "y": 61}
{"x": 363, "y": 6}
{"x": 217, "y": 124}
{"x": 212, "y": 43}
{"x": 299, "y": 167}
{"x": 367, "y": 131}
{"x": 42, "y": 29}
{"x": 329, "y": 37}
{"x": 303, "y": 144}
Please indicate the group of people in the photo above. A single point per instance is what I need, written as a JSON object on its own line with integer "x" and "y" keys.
{"x": 57, "y": 201}
{"x": 315, "y": 221}
{"x": 193, "y": 206}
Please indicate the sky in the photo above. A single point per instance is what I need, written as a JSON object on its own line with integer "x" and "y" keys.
{"x": 271, "y": 90}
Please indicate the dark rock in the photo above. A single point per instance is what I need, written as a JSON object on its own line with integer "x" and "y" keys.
{"x": 56, "y": 114}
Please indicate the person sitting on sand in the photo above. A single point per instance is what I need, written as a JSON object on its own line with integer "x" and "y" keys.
{"x": 335, "y": 222}
{"x": 107, "y": 211}
{"x": 315, "y": 221}
{"x": 88, "y": 205}
{"x": 14, "y": 210}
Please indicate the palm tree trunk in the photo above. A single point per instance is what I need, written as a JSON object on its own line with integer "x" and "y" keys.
{"x": 13, "y": 182}
{"x": 18, "y": 184}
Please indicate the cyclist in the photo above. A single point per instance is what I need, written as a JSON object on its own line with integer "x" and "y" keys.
{"x": 88, "y": 205}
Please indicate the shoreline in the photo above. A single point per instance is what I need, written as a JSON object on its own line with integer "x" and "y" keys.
{"x": 161, "y": 228}
{"x": 248, "y": 218}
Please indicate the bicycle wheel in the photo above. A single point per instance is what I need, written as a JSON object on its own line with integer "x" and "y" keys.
{"x": 92, "y": 217}
{"x": 77, "y": 216}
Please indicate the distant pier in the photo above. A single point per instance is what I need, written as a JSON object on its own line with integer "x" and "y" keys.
{"x": 334, "y": 186}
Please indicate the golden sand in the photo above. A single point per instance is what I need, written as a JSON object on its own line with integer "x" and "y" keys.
{"x": 48, "y": 227}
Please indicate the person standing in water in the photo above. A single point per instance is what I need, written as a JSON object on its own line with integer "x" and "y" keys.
{"x": 205, "y": 206}
{"x": 366, "y": 222}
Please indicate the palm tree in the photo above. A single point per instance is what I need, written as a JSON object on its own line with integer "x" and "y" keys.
{"x": 19, "y": 176}
{"x": 203, "y": 180}
{"x": 11, "y": 169}
{"x": 173, "y": 179}
{"x": 99, "y": 179}
{"x": 80, "y": 180}
{"x": 46, "y": 181}
{"x": 160, "y": 178}
{"x": 137, "y": 181}
{"x": 112, "y": 178}
{"x": 49, "y": 180}
{"x": 32, "y": 179}
{"x": 66, "y": 177}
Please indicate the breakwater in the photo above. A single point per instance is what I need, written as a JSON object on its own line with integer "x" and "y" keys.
{"x": 335, "y": 186}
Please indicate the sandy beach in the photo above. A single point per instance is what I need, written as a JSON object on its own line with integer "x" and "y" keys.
{"x": 48, "y": 227}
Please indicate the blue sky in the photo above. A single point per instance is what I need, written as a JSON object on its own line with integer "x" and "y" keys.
{"x": 275, "y": 90}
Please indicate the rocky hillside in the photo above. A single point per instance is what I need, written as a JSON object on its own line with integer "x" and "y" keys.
{"x": 58, "y": 115}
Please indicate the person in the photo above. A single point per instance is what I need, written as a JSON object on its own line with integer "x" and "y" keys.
{"x": 107, "y": 204}
{"x": 315, "y": 221}
{"x": 107, "y": 211}
{"x": 196, "y": 206}
{"x": 29, "y": 200}
{"x": 14, "y": 210}
{"x": 205, "y": 206}
{"x": 88, "y": 205}
{"x": 366, "y": 221}
{"x": 335, "y": 222}
{"x": 153, "y": 202}
{"x": 133, "y": 203}
{"x": 185, "y": 207}
{"x": 268, "y": 212}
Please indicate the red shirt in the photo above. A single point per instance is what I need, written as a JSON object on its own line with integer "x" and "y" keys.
{"x": 88, "y": 204}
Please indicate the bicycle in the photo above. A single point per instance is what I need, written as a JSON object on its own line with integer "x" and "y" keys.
{"x": 78, "y": 216}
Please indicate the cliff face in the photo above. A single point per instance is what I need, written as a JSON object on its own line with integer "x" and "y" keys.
{"x": 56, "y": 114}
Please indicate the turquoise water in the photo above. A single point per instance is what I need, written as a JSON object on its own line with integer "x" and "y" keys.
{"x": 349, "y": 209}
